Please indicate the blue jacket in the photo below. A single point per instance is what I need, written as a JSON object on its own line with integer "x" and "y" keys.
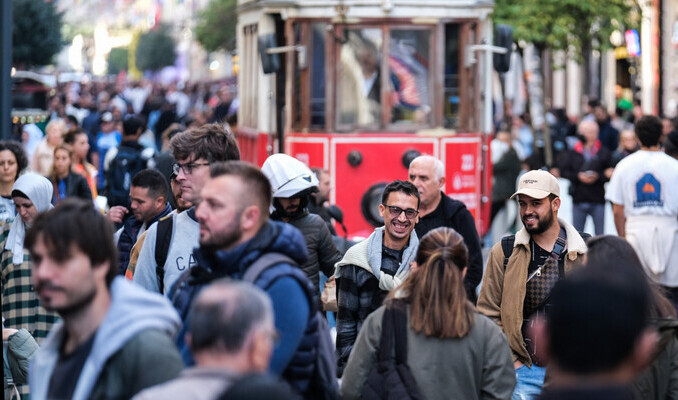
{"x": 129, "y": 234}
{"x": 287, "y": 286}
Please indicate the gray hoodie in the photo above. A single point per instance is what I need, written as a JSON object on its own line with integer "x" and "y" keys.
{"x": 132, "y": 311}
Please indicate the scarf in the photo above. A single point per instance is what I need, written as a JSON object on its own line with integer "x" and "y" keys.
{"x": 374, "y": 250}
{"x": 39, "y": 190}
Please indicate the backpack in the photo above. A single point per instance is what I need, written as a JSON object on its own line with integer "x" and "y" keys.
{"x": 163, "y": 239}
{"x": 127, "y": 163}
{"x": 390, "y": 377}
{"x": 323, "y": 384}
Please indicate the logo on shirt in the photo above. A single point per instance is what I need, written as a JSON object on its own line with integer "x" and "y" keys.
{"x": 648, "y": 192}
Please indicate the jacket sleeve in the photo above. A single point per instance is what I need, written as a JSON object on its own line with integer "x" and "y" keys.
{"x": 348, "y": 302}
{"x": 83, "y": 191}
{"x": 20, "y": 349}
{"x": 489, "y": 301}
{"x": 567, "y": 169}
{"x": 328, "y": 255}
{"x": 363, "y": 358}
{"x": 464, "y": 224}
{"x": 144, "y": 273}
{"x": 498, "y": 374}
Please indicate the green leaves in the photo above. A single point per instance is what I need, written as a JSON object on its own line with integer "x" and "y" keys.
{"x": 155, "y": 50}
{"x": 36, "y": 35}
{"x": 216, "y": 25}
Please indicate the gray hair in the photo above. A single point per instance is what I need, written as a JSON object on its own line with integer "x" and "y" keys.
{"x": 438, "y": 166}
{"x": 226, "y": 313}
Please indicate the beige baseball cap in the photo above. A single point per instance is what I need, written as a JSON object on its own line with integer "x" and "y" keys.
{"x": 537, "y": 184}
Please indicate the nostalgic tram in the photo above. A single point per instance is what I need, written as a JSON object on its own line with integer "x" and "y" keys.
{"x": 361, "y": 87}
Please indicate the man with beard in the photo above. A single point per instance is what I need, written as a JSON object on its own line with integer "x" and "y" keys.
{"x": 115, "y": 339}
{"x": 522, "y": 269}
{"x": 236, "y": 239}
{"x": 377, "y": 265}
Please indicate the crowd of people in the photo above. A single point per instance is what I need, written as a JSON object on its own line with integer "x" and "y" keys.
{"x": 205, "y": 276}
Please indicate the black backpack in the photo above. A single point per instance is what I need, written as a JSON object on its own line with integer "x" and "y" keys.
{"x": 391, "y": 378}
{"x": 127, "y": 163}
{"x": 163, "y": 238}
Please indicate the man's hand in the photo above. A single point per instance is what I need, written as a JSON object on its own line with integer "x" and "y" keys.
{"x": 116, "y": 214}
{"x": 588, "y": 177}
{"x": 517, "y": 364}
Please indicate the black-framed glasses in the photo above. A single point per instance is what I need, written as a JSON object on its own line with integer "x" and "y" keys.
{"x": 188, "y": 167}
{"x": 395, "y": 211}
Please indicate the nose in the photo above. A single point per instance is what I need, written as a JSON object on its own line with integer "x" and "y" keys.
{"x": 181, "y": 176}
{"x": 402, "y": 217}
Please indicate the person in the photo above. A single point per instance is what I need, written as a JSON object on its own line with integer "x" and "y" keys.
{"x": 259, "y": 387}
{"x": 123, "y": 162}
{"x": 609, "y": 136}
{"x": 292, "y": 182}
{"x": 427, "y": 173}
{"x": 17, "y": 351}
{"x": 79, "y": 142}
{"x": 586, "y": 167}
{"x": 107, "y": 138}
{"x": 148, "y": 193}
{"x": 31, "y": 136}
{"x": 628, "y": 144}
{"x": 13, "y": 162}
{"x": 43, "y": 156}
{"x": 660, "y": 379}
{"x": 114, "y": 338}
{"x": 671, "y": 144}
{"x": 505, "y": 168}
{"x": 231, "y": 334}
{"x": 522, "y": 269}
{"x": 590, "y": 307}
{"x": 450, "y": 347}
{"x": 195, "y": 150}
{"x": 235, "y": 234}
{"x": 377, "y": 265}
{"x": 318, "y": 200}
{"x": 66, "y": 182}
{"x": 642, "y": 191}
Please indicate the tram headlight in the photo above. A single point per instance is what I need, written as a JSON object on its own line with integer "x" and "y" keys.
{"x": 369, "y": 204}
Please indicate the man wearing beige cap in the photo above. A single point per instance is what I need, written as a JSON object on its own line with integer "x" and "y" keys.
{"x": 523, "y": 268}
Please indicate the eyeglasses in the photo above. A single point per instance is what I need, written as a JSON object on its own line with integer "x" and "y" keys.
{"x": 395, "y": 211}
{"x": 188, "y": 167}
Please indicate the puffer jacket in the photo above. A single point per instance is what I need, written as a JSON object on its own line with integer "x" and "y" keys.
{"x": 503, "y": 291}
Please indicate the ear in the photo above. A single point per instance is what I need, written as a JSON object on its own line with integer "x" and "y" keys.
{"x": 250, "y": 218}
{"x": 100, "y": 271}
{"x": 160, "y": 202}
{"x": 463, "y": 272}
{"x": 260, "y": 352}
{"x": 644, "y": 350}
{"x": 382, "y": 209}
{"x": 555, "y": 204}
{"x": 441, "y": 182}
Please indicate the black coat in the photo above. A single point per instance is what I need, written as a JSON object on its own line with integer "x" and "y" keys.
{"x": 573, "y": 162}
{"x": 76, "y": 186}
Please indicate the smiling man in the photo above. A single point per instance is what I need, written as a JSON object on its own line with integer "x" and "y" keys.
{"x": 377, "y": 265}
{"x": 522, "y": 269}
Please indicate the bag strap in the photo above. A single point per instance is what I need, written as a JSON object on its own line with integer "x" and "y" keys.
{"x": 558, "y": 247}
{"x": 400, "y": 322}
{"x": 162, "y": 243}
{"x": 263, "y": 263}
{"x": 507, "y": 243}
{"x": 386, "y": 343}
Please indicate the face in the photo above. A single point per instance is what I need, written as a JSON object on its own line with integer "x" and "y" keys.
{"x": 107, "y": 127}
{"x": 191, "y": 184}
{"x": 62, "y": 162}
{"x": 589, "y": 130}
{"x": 8, "y": 167}
{"x": 80, "y": 147}
{"x": 628, "y": 140}
{"x": 398, "y": 227}
{"x": 143, "y": 205}
{"x": 68, "y": 286}
{"x": 25, "y": 209}
{"x": 178, "y": 200}
{"x": 537, "y": 214}
{"x": 220, "y": 213}
{"x": 422, "y": 175}
{"x": 324, "y": 186}
{"x": 54, "y": 135}
{"x": 290, "y": 205}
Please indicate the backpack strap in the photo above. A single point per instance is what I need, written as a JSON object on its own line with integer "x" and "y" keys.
{"x": 162, "y": 243}
{"x": 386, "y": 343}
{"x": 400, "y": 330}
{"x": 263, "y": 263}
{"x": 507, "y": 243}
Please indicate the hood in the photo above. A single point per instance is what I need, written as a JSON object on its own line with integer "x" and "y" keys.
{"x": 34, "y": 137}
{"x": 132, "y": 310}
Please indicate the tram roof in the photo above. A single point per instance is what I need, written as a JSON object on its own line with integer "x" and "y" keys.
{"x": 372, "y": 8}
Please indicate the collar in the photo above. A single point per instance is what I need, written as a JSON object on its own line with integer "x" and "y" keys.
{"x": 579, "y": 147}
{"x": 575, "y": 243}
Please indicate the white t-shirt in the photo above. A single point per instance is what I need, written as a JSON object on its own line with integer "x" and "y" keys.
{"x": 645, "y": 183}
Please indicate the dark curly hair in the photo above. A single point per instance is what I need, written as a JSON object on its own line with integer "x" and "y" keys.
{"x": 19, "y": 154}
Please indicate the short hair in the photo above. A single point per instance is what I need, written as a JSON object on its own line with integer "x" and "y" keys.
{"x": 56, "y": 124}
{"x": 76, "y": 222}
{"x": 592, "y": 306}
{"x": 438, "y": 166}
{"x": 225, "y": 313}
{"x": 649, "y": 130}
{"x": 19, "y": 154}
{"x": 257, "y": 186}
{"x": 71, "y": 135}
{"x": 131, "y": 124}
{"x": 211, "y": 142}
{"x": 671, "y": 144}
{"x": 400, "y": 186}
{"x": 152, "y": 180}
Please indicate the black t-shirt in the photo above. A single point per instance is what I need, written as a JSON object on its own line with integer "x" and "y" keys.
{"x": 390, "y": 260}
{"x": 67, "y": 371}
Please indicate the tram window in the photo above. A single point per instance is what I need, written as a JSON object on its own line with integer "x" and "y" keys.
{"x": 409, "y": 76}
{"x": 451, "y": 90}
{"x": 318, "y": 30}
{"x": 296, "y": 99}
{"x": 359, "y": 82}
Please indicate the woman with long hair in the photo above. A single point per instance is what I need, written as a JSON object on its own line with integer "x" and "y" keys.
{"x": 453, "y": 352}
{"x": 13, "y": 162}
{"x": 79, "y": 142}
{"x": 660, "y": 379}
{"x": 66, "y": 182}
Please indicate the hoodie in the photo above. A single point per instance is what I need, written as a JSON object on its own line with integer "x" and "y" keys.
{"x": 132, "y": 312}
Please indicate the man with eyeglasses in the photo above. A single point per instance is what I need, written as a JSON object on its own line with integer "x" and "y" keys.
{"x": 168, "y": 247}
{"x": 377, "y": 265}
